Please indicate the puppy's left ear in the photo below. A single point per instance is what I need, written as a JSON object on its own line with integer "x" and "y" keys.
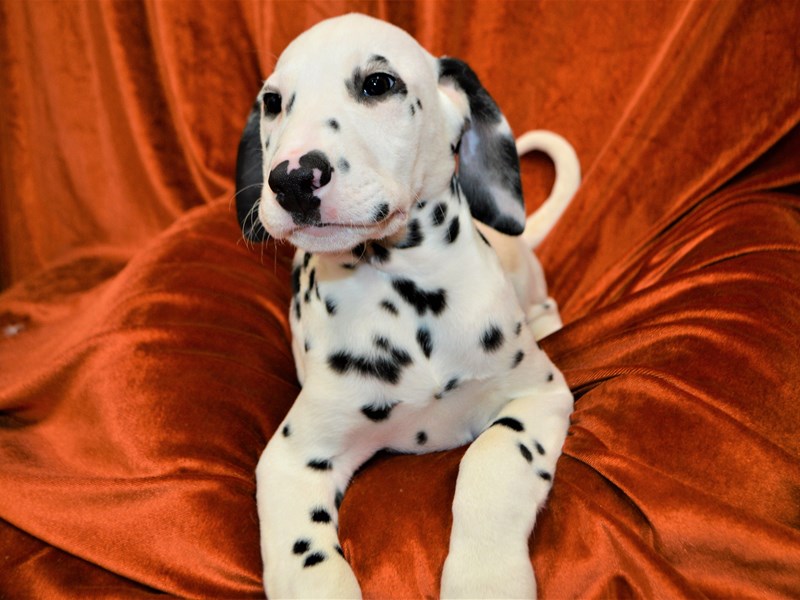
{"x": 488, "y": 165}
{"x": 250, "y": 177}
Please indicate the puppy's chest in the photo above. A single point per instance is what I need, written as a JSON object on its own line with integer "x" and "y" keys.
{"x": 389, "y": 342}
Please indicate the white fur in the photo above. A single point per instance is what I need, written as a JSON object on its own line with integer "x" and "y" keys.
{"x": 401, "y": 161}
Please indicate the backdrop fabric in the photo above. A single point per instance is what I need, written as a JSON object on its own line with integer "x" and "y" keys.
{"x": 144, "y": 347}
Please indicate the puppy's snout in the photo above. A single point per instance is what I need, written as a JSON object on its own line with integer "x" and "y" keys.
{"x": 294, "y": 188}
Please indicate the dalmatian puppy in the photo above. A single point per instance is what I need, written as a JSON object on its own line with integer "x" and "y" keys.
{"x": 417, "y": 303}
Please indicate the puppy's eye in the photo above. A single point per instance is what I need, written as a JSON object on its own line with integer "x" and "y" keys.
{"x": 377, "y": 84}
{"x": 272, "y": 103}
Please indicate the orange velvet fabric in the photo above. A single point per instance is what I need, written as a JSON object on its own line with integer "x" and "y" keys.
{"x": 144, "y": 348}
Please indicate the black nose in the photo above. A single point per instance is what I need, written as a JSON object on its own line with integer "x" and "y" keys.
{"x": 294, "y": 190}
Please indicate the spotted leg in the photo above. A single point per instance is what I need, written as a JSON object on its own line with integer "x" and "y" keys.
{"x": 298, "y": 490}
{"x": 503, "y": 481}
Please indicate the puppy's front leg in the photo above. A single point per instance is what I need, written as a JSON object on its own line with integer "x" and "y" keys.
{"x": 503, "y": 481}
{"x": 298, "y": 490}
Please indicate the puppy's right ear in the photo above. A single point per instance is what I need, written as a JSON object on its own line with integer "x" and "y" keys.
{"x": 250, "y": 177}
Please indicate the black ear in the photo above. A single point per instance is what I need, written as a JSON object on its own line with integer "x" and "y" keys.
{"x": 487, "y": 156}
{"x": 250, "y": 177}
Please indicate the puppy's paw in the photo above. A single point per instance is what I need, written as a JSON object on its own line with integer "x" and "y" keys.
{"x": 499, "y": 575}
{"x": 316, "y": 573}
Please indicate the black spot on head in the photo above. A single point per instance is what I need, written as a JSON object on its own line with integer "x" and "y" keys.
{"x": 424, "y": 341}
{"x": 439, "y": 214}
{"x": 330, "y": 305}
{"x": 379, "y": 252}
{"x": 320, "y": 464}
{"x": 290, "y": 104}
{"x": 313, "y": 559}
{"x": 452, "y": 231}
{"x": 412, "y": 109}
{"x": 312, "y": 275}
{"x": 422, "y": 204}
{"x": 550, "y": 377}
{"x": 518, "y": 328}
{"x": 421, "y": 300}
{"x": 509, "y": 422}
{"x": 333, "y": 124}
{"x": 337, "y": 501}
{"x": 339, "y": 550}
{"x": 343, "y": 165}
{"x": 419, "y": 104}
{"x": 306, "y": 259}
{"x": 451, "y": 385}
{"x": 381, "y": 212}
{"x": 414, "y": 236}
{"x": 306, "y": 345}
{"x": 378, "y": 412}
{"x": 492, "y": 338}
{"x": 320, "y": 515}
{"x": 359, "y": 250}
{"x": 422, "y": 438}
{"x": 526, "y": 454}
{"x": 286, "y": 431}
{"x": 539, "y": 448}
{"x": 545, "y": 475}
{"x": 517, "y": 359}
{"x": 301, "y": 546}
{"x": 389, "y": 307}
{"x": 307, "y": 296}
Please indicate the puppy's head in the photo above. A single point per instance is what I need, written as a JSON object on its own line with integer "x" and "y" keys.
{"x": 356, "y": 124}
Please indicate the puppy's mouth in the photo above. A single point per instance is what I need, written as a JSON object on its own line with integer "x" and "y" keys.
{"x": 341, "y": 237}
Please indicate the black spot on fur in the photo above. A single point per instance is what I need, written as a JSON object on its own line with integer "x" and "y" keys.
{"x": 343, "y": 165}
{"x": 320, "y": 464}
{"x": 330, "y": 305}
{"x": 389, "y": 307}
{"x": 290, "y": 105}
{"x": 414, "y": 236}
{"x": 339, "y": 550}
{"x": 439, "y": 214}
{"x": 526, "y": 454}
{"x": 313, "y": 559}
{"x": 296, "y": 280}
{"x": 452, "y": 230}
{"x": 539, "y": 448}
{"x": 518, "y": 328}
{"x": 550, "y": 377}
{"x": 379, "y": 412}
{"x": 492, "y": 339}
{"x": 382, "y": 368}
{"x": 420, "y": 299}
{"x": 424, "y": 341}
{"x": 320, "y": 515}
{"x": 286, "y": 431}
{"x": 422, "y": 204}
{"x": 297, "y": 312}
{"x": 510, "y": 422}
{"x": 333, "y": 124}
{"x": 301, "y": 546}
{"x": 312, "y": 275}
{"x": 379, "y": 252}
{"x": 306, "y": 259}
{"x": 337, "y": 502}
{"x": 422, "y": 438}
{"x": 517, "y": 359}
{"x": 359, "y": 251}
{"x": 448, "y": 387}
{"x": 307, "y": 296}
{"x": 419, "y": 104}
{"x": 306, "y": 345}
{"x": 381, "y": 212}
{"x": 545, "y": 475}
{"x": 413, "y": 110}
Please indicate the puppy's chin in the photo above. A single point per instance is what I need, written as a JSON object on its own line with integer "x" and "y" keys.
{"x": 335, "y": 239}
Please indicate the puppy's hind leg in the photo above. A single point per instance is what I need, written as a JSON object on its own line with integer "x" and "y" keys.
{"x": 298, "y": 491}
{"x": 503, "y": 481}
